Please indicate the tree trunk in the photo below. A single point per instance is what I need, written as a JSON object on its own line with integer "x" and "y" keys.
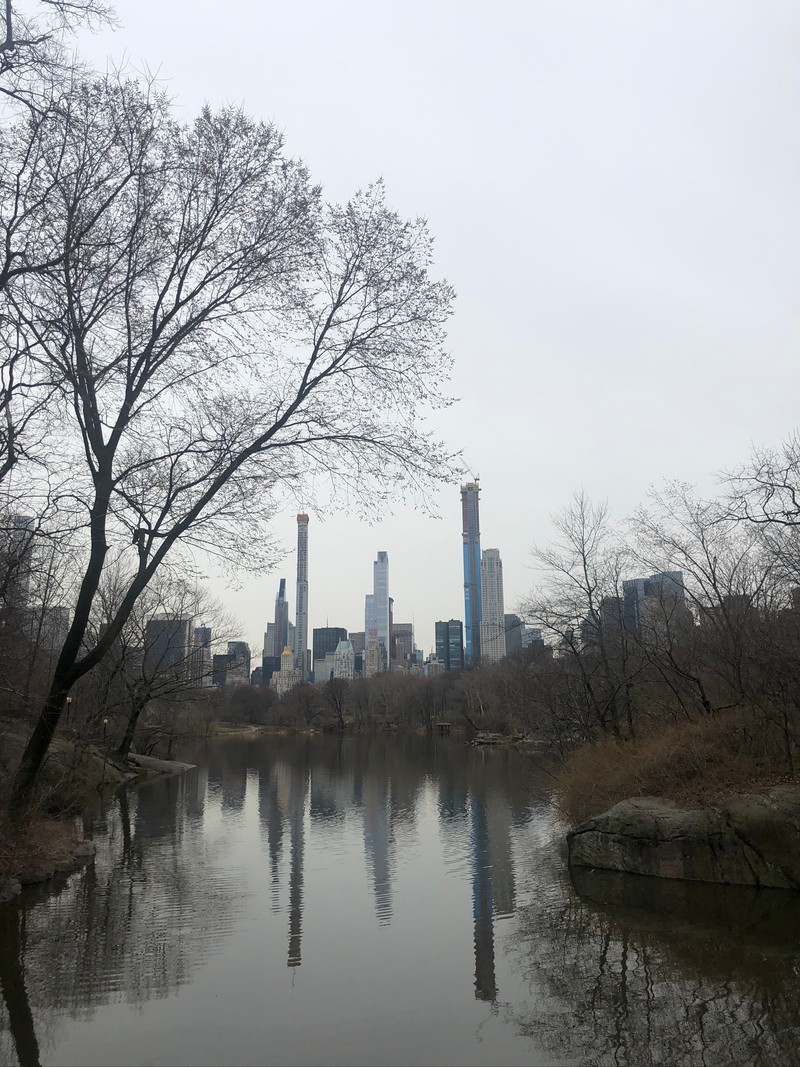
{"x": 130, "y": 728}
{"x": 37, "y": 746}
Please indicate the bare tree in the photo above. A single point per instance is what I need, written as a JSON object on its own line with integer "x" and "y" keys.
{"x": 766, "y": 490}
{"x": 34, "y": 39}
{"x": 335, "y": 692}
{"x": 222, "y": 337}
{"x": 153, "y": 657}
{"x": 580, "y": 606}
{"x": 56, "y": 164}
{"x": 730, "y": 576}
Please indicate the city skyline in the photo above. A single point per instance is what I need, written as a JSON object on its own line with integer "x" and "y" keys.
{"x": 611, "y": 305}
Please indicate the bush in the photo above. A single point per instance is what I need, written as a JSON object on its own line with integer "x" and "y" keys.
{"x": 690, "y": 763}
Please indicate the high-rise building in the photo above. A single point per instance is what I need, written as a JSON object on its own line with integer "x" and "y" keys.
{"x": 450, "y": 644}
{"x": 493, "y": 627}
{"x": 167, "y": 647}
{"x": 281, "y": 632}
{"x": 665, "y": 588}
{"x": 513, "y": 628}
{"x": 344, "y": 661}
{"x": 441, "y": 631}
{"x": 359, "y": 640}
{"x": 301, "y": 634}
{"x": 325, "y": 639}
{"x": 533, "y": 643}
{"x": 373, "y": 659}
{"x": 201, "y": 656}
{"x": 219, "y": 670}
{"x": 402, "y": 644}
{"x": 239, "y": 663}
{"x": 377, "y": 625}
{"x": 288, "y": 676}
{"x": 471, "y": 536}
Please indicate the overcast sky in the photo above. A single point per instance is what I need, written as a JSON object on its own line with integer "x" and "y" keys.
{"x": 613, "y": 187}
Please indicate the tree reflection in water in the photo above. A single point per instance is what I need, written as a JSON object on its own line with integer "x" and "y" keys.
{"x": 131, "y": 927}
{"x": 650, "y": 971}
{"x": 611, "y": 969}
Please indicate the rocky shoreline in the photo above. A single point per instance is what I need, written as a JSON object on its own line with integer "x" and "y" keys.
{"x": 751, "y": 840}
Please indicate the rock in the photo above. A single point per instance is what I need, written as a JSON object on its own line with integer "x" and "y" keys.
{"x": 160, "y": 766}
{"x": 745, "y": 840}
{"x": 9, "y": 889}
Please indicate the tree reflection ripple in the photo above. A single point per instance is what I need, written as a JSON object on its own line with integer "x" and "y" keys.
{"x": 392, "y": 899}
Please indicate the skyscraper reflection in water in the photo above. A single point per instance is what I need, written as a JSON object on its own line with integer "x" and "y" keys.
{"x": 358, "y": 779}
{"x": 297, "y": 808}
{"x": 482, "y": 902}
{"x": 377, "y": 831}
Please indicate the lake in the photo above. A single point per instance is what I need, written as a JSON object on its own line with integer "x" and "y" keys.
{"x": 383, "y": 899}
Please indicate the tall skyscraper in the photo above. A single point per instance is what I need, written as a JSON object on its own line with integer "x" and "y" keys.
{"x": 376, "y": 606}
{"x": 493, "y": 626}
{"x": 281, "y": 632}
{"x": 471, "y": 536}
{"x": 301, "y": 628}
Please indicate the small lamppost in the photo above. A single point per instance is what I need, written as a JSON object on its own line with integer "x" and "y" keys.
{"x": 69, "y": 710}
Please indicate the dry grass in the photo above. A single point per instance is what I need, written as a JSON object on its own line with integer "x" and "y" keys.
{"x": 690, "y": 763}
{"x": 33, "y": 852}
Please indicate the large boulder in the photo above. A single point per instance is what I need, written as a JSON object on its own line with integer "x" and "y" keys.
{"x": 745, "y": 840}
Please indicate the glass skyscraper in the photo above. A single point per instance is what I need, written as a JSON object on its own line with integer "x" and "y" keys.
{"x": 471, "y": 535}
{"x": 376, "y": 606}
{"x": 450, "y": 644}
{"x": 300, "y": 645}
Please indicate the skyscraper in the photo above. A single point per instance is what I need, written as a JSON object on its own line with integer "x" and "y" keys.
{"x": 665, "y": 588}
{"x": 376, "y": 606}
{"x": 471, "y": 536}
{"x": 167, "y": 647}
{"x": 281, "y": 632}
{"x": 402, "y": 644}
{"x": 493, "y": 626}
{"x": 450, "y": 644}
{"x": 301, "y": 630}
{"x": 202, "y": 656}
{"x": 513, "y": 628}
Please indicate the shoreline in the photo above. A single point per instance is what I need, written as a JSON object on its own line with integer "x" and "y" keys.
{"x": 56, "y": 845}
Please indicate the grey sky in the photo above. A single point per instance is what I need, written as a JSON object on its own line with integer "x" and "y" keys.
{"x": 613, "y": 190}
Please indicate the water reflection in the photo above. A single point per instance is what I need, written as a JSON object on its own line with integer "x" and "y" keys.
{"x": 383, "y": 872}
{"x": 647, "y": 971}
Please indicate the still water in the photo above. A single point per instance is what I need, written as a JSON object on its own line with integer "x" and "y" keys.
{"x": 380, "y": 900}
